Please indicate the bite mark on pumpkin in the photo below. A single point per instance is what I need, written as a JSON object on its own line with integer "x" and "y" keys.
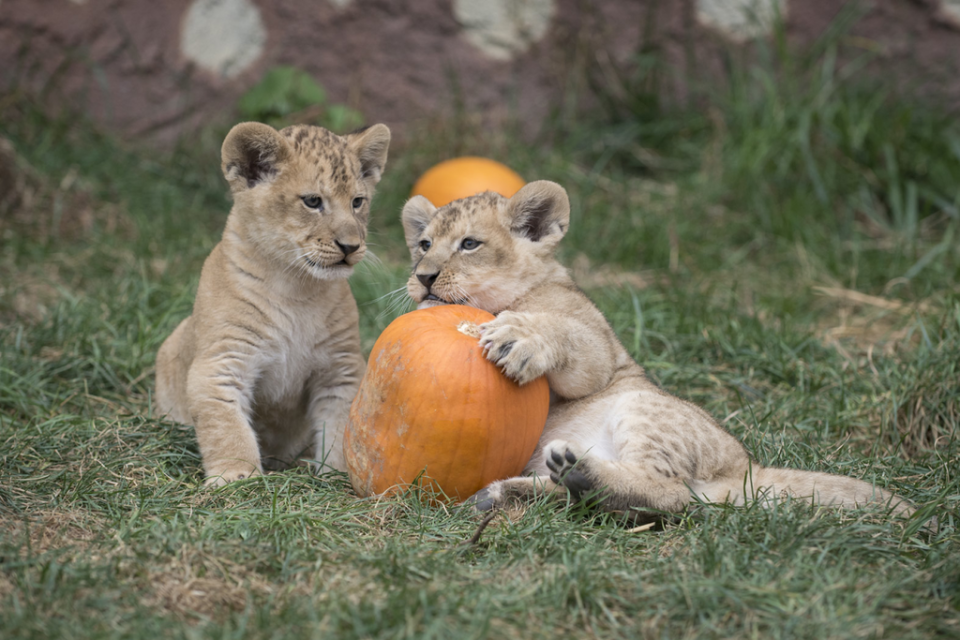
{"x": 468, "y": 328}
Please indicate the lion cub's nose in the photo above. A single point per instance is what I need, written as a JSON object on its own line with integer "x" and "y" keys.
{"x": 347, "y": 248}
{"x": 427, "y": 279}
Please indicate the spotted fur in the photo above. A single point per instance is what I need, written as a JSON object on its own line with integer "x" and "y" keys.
{"x": 266, "y": 366}
{"x": 612, "y": 435}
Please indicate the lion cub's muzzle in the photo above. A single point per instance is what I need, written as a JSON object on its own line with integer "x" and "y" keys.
{"x": 427, "y": 294}
{"x": 335, "y": 255}
{"x": 352, "y": 253}
{"x": 429, "y": 298}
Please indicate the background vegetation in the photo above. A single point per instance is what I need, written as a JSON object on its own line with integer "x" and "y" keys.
{"x": 784, "y": 253}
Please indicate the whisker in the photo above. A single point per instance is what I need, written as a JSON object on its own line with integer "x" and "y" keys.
{"x": 389, "y": 294}
{"x": 299, "y": 264}
{"x": 372, "y": 258}
{"x": 397, "y": 304}
{"x": 465, "y": 297}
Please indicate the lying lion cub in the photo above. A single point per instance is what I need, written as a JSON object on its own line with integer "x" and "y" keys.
{"x": 267, "y": 365}
{"x": 611, "y": 432}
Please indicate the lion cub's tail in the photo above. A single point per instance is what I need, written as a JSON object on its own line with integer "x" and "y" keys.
{"x": 768, "y": 484}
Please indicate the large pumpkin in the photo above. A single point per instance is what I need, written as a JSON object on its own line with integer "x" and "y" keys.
{"x": 464, "y": 177}
{"x": 432, "y": 407}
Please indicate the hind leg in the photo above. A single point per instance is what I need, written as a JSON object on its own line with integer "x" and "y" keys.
{"x": 496, "y": 494}
{"x": 617, "y": 486}
{"x": 171, "y": 373}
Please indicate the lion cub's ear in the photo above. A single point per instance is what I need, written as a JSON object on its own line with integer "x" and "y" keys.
{"x": 371, "y": 145}
{"x": 252, "y": 153}
{"x": 540, "y": 212}
{"x": 417, "y": 214}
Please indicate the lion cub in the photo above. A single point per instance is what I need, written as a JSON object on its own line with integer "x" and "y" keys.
{"x": 267, "y": 365}
{"x": 611, "y": 432}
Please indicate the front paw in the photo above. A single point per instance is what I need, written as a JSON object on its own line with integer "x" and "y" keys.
{"x": 511, "y": 344}
{"x": 570, "y": 468}
{"x": 221, "y": 477}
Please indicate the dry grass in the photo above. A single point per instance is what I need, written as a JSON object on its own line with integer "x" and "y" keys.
{"x": 48, "y": 530}
{"x": 709, "y": 279}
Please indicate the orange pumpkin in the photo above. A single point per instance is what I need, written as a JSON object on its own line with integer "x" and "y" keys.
{"x": 432, "y": 407}
{"x": 463, "y": 177}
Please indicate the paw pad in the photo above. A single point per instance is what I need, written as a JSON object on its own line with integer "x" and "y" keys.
{"x": 567, "y": 470}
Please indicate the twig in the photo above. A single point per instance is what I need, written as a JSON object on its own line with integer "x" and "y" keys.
{"x": 475, "y": 538}
{"x": 855, "y": 297}
{"x": 146, "y": 373}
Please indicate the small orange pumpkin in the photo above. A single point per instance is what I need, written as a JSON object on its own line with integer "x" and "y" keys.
{"x": 464, "y": 177}
{"x": 432, "y": 407}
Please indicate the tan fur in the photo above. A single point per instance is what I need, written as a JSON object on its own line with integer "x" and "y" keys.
{"x": 267, "y": 365}
{"x": 611, "y": 432}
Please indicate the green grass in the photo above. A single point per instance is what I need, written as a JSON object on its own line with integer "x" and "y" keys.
{"x": 759, "y": 268}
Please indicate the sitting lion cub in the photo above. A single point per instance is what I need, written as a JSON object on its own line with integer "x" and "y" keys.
{"x": 611, "y": 432}
{"x": 266, "y": 367}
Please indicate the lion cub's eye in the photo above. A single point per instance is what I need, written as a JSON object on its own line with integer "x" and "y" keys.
{"x": 469, "y": 244}
{"x": 357, "y": 202}
{"x": 314, "y": 202}
{"x": 425, "y": 245}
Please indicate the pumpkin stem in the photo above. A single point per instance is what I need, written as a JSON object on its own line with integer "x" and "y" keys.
{"x": 468, "y": 328}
